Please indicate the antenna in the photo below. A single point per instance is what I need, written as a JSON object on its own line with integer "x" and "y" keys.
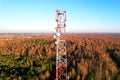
{"x": 61, "y": 57}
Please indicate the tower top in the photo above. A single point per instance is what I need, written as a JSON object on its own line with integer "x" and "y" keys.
{"x": 61, "y": 21}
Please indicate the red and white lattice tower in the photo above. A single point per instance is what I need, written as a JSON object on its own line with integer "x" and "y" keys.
{"x": 61, "y": 57}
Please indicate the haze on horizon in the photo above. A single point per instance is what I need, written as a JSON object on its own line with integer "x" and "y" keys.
{"x": 37, "y": 16}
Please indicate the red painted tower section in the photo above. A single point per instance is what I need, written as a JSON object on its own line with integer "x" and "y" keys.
{"x": 61, "y": 57}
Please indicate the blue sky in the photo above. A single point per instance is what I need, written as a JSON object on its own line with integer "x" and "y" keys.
{"x": 38, "y": 16}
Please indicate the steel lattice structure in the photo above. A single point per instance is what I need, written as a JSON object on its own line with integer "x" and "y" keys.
{"x": 61, "y": 57}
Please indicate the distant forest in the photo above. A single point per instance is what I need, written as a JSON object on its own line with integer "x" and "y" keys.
{"x": 33, "y": 56}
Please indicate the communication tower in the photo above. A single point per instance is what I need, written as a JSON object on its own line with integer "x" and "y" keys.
{"x": 61, "y": 57}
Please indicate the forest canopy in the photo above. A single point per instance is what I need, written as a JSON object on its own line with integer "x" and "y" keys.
{"x": 33, "y": 56}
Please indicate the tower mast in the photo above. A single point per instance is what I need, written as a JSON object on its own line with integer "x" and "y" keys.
{"x": 61, "y": 57}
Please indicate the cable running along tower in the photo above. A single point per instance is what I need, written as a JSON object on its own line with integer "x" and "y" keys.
{"x": 61, "y": 57}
